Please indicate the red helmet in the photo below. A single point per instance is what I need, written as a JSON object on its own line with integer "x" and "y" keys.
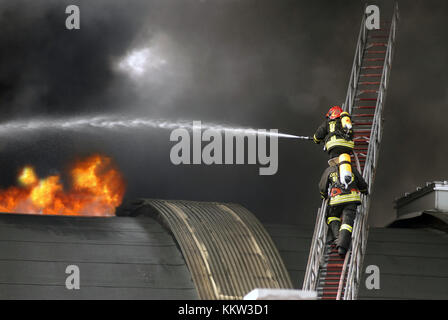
{"x": 334, "y": 112}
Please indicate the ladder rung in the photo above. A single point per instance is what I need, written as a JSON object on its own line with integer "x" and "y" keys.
{"x": 372, "y": 52}
{"x": 332, "y": 278}
{"x": 368, "y": 91}
{"x": 364, "y": 107}
{"x": 372, "y": 67}
{"x": 334, "y": 265}
{"x": 374, "y": 59}
{"x": 330, "y": 289}
{"x": 363, "y": 115}
{"x": 332, "y": 283}
{"x": 375, "y": 51}
{"x": 378, "y": 36}
{"x": 370, "y": 75}
{"x": 330, "y": 292}
{"x": 321, "y": 287}
{"x": 332, "y": 273}
{"x": 367, "y": 99}
{"x": 369, "y": 83}
{"x": 335, "y": 259}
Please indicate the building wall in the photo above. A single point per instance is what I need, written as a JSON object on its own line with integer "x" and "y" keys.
{"x": 118, "y": 258}
{"x": 413, "y": 264}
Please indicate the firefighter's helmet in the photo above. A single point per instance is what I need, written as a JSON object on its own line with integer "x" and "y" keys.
{"x": 334, "y": 112}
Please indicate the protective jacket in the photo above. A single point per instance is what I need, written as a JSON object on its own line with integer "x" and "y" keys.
{"x": 334, "y": 135}
{"x": 330, "y": 186}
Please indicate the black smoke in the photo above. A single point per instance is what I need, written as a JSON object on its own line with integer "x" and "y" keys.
{"x": 263, "y": 64}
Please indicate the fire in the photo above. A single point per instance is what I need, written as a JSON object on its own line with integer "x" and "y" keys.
{"x": 27, "y": 176}
{"x": 96, "y": 189}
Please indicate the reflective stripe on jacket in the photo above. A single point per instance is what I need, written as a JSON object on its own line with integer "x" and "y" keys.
{"x": 353, "y": 197}
{"x": 334, "y": 141}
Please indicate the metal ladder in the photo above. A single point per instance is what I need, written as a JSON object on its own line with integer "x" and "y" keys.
{"x": 333, "y": 277}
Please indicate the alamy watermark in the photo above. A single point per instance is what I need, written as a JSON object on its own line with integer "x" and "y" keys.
{"x": 373, "y": 17}
{"x": 373, "y": 280}
{"x": 72, "y": 282}
{"x": 73, "y": 21}
{"x": 225, "y": 146}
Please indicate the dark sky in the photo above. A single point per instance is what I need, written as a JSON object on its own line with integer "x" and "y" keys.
{"x": 256, "y": 63}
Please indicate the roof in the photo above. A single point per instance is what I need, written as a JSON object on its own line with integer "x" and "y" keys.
{"x": 226, "y": 248}
{"x": 293, "y": 243}
{"x": 433, "y": 198}
{"x": 413, "y": 264}
{"x": 140, "y": 257}
{"x": 118, "y": 258}
{"x": 159, "y": 250}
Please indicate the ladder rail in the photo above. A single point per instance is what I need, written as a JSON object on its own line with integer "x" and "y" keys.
{"x": 361, "y": 227}
{"x": 356, "y": 66}
{"x": 317, "y": 249}
{"x": 342, "y": 278}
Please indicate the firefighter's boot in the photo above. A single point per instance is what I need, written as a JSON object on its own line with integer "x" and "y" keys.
{"x": 342, "y": 251}
{"x": 345, "y": 237}
{"x": 334, "y": 225}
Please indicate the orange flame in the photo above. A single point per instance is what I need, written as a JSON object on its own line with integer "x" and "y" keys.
{"x": 27, "y": 176}
{"x": 97, "y": 188}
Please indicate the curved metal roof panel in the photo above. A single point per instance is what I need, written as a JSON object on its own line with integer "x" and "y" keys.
{"x": 228, "y": 251}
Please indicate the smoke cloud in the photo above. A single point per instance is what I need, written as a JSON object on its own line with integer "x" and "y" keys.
{"x": 258, "y": 64}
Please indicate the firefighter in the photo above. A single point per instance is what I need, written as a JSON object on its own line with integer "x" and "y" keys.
{"x": 336, "y": 133}
{"x": 343, "y": 185}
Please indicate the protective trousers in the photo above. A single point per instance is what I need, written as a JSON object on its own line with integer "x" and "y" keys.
{"x": 340, "y": 221}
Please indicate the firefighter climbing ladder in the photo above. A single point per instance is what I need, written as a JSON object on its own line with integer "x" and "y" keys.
{"x": 332, "y": 276}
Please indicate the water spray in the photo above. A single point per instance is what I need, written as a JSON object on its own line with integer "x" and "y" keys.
{"x": 78, "y": 124}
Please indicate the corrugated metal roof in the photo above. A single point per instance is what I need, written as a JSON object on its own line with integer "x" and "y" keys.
{"x": 226, "y": 248}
